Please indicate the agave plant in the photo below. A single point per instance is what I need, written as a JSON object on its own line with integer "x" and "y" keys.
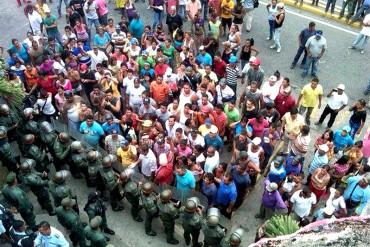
{"x": 10, "y": 95}
{"x": 280, "y": 225}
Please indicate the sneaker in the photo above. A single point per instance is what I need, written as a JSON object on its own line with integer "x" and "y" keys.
{"x": 352, "y": 47}
{"x": 317, "y": 123}
{"x": 292, "y": 66}
{"x": 151, "y": 233}
{"x": 272, "y": 47}
{"x": 148, "y": 7}
{"x": 268, "y": 38}
{"x": 278, "y": 50}
{"x": 362, "y": 51}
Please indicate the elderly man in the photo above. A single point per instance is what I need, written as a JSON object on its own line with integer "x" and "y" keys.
{"x": 337, "y": 101}
{"x": 173, "y": 20}
{"x": 315, "y": 47}
{"x": 112, "y": 142}
{"x": 291, "y": 124}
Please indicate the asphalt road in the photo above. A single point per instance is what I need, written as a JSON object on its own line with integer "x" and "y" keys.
{"x": 339, "y": 65}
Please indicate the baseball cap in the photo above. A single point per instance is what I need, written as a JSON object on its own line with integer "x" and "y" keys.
{"x": 123, "y": 143}
{"x": 133, "y": 41}
{"x": 347, "y": 128}
{"x": 168, "y": 71}
{"x": 68, "y": 93}
{"x": 147, "y": 123}
{"x": 146, "y": 101}
{"x": 256, "y": 141}
{"x": 329, "y": 210}
{"x": 118, "y": 27}
{"x": 160, "y": 140}
{"x": 280, "y": 5}
{"x": 208, "y": 121}
{"x": 341, "y": 87}
{"x": 324, "y": 147}
{"x": 232, "y": 59}
{"x": 201, "y": 48}
{"x": 205, "y": 109}
{"x": 271, "y": 187}
{"x": 113, "y": 131}
{"x": 256, "y": 62}
{"x": 83, "y": 68}
{"x": 288, "y": 90}
{"x": 213, "y": 129}
{"x": 149, "y": 34}
{"x": 222, "y": 81}
{"x": 144, "y": 53}
{"x": 319, "y": 32}
{"x": 272, "y": 78}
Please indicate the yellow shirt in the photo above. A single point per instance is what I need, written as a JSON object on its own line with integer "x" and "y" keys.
{"x": 127, "y": 156}
{"x": 225, "y": 13}
{"x": 310, "y": 96}
{"x": 293, "y": 126}
{"x": 203, "y": 130}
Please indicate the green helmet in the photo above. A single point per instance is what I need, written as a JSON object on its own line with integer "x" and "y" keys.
{"x": 109, "y": 160}
{"x": 76, "y": 145}
{"x": 92, "y": 155}
{"x": 3, "y": 132}
{"x": 28, "y": 139}
{"x": 165, "y": 196}
{"x": 60, "y": 176}
{"x": 27, "y": 112}
{"x": 148, "y": 187}
{"x": 46, "y": 127}
{"x": 190, "y": 206}
{"x": 126, "y": 174}
{"x": 27, "y": 165}
{"x": 236, "y": 237}
{"x": 213, "y": 216}
{"x": 64, "y": 137}
{"x": 4, "y": 109}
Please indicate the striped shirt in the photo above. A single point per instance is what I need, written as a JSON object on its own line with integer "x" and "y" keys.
{"x": 301, "y": 144}
{"x": 232, "y": 75}
{"x": 318, "y": 161}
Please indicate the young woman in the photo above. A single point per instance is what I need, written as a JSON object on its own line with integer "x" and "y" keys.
{"x": 279, "y": 20}
{"x": 271, "y": 12}
{"x": 358, "y": 118}
{"x": 64, "y": 82}
{"x": 81, "y": 32}
{"x": 103, "y": 40}
{"x": 60, "y": 99}
{"x": 246, "y": 52}
{"x": 110, "y": 28}
{"x": 234, "y": 38}
{"x": 45, "y": 105}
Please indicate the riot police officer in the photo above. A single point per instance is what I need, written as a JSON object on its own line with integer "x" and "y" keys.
{"x": 94, "y": 164}
{"x": 213, "y": 233}
{"x": 94, "y": 234}
{"x": 132, "y": 193}
{"x": 71, "y": 222}
{"x": 7, "y": 155}
{"x": 37, "y": 182}
{"x": 168, "y": 214}
{"x": 16, "y": 197}
{"x": 191, "y": 215}
{"x": 58, "y": 187}
{"x": 9, "y": 120}
{"x": 149, "y": 200}
{"x": 48, "y": 137}
{"x": 110, "y": 182}
{"x": 95, "y": 207}
{"x": 27, "y": 126}
{"x": 32, "y": 151}
{"x": 234, "y": 240}
{"x": 78, "y": 165}
{"x": 62, "y": 147}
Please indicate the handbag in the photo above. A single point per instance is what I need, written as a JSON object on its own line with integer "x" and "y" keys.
{"x": 349, "y": 203}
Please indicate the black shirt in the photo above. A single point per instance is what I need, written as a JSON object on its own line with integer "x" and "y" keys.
{"x": 78, "y": 5}
{"x": 358, "y": 117}
{"x": 75, "y": 16}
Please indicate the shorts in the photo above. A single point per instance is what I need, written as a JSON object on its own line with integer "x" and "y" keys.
{"x": 226, "y": 21}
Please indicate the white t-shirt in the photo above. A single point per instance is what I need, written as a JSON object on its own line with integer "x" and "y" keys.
{"x": 271, "y": 91}
{"x": 91, "y": 14}
{"x": 227, "y": 92}
{"x": 60, "y": 66}
{"x": 366, "y": 29}
{"x": 95, "y": 59}
{"x": 212, "y": 162}
{"x": 35, "y": 21}
{"x": 127, "y": 82}
{"x": 336, "y": 101}
{"x": 148, "y": 163}
{"x": 135, "y": 94}
{"x": 338, "y": 203}
{"x": 48, "y": 109}
{"x": 302, "y": 206}
{"x": 199, "y": 140}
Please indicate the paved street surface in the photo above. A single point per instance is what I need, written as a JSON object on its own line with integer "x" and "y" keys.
{"x": 338, "y": 65}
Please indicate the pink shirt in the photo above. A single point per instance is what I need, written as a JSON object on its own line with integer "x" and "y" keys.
{"x": 187, "y": 152}
{"x": 258, "y": 129}
{"x": 102, "y": 7}
{"x": 193, "y": 7}
{"x": 366, "y": 145}
{"x": 171, "y": 3}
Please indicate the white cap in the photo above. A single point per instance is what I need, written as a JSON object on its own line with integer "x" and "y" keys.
{"x": 341, "y": 87}
{"x": 329, "y": 210}
{"x": 201, "y": 48}
{"x": 280, "y": 5}
{"x": 213, "y": 129}
{"x": 271, "y": 187}
{"x": 324, "y": 147}
{"x": 168, "y": 71}
{"x": 256, "y": 141}
{"x": 272, "y": 78}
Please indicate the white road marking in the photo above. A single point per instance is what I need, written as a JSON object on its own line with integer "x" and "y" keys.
{"x": 318, "y": 21}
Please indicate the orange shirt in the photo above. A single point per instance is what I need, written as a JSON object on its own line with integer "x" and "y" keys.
{"x": 159, "y": 91}
{"x": 31, "y": 78}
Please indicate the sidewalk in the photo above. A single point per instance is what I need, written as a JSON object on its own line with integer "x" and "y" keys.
{"x": 319, "y": 10}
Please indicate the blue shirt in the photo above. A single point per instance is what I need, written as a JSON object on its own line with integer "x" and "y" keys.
{"x": 205, "y": 59}
{"x": 92, "y": 133}
{"x": 289, "y": 168}
{"x": 83, "y": 59}
{"x": 209, "y": 191}
{"x": 216, "y": 142}
{"x": 305, "y": 35}
{"x": 185, "y": 182}
{"x": 359, "y": 194}
{"x": 341, "y": 142}
{"x": 107, "y": 128}
{"x": 276, "y": 174}
{"x": 239, "y": 128}
{"x": 226, "y": 193}
{"x": 23, "y": 53}
{"x": 242, "y": 181}
{"x": 318, "y": 161}
{"x": 136, "y": 28}
{"x": 100, "y": 41}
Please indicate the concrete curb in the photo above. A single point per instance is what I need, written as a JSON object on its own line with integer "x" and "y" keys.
{"x": 318, "y": 10}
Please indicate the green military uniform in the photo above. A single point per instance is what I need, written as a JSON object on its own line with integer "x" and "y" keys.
{"x": 132, "y": 195}
{"x": 10, "y": 121}
{"x": 94, "y": 164}
{"x": 168, "y": 214}
{"x": 7, "y": 155}
{"x": 212, "y": 234}
{"x": 59, "y": 189}
{"x": 149, "y": 201}
{"x": 62, "y": 151}
{"x": 25, "y": 127}
{"x": 71, "y": 221}
{"x": 191, "y": 222}
{"x": 36, "y": 183}
{"x": 47, "y": 140}
{"x": 110, "y": 184}
{"x": 16, "y": 197}
{"x": 31, "y": 151}
{"x": 93, "y": 233}
{"x": 234, "y": 240}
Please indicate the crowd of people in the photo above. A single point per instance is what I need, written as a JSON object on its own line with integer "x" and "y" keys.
{"x": 163, "y": 103}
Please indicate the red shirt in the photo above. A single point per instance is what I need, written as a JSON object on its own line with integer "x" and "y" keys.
{"x": 258, "y": 127}
{"x": 219, "y": 68}
{"x": 158, "y": 70}
{"x": 47, "y": 85}
{"x": 284, "y": 104}
{"x": 165, "y": 174}
{"x": 220, "y": 122}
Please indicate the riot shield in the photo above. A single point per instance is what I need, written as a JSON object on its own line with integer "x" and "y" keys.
{"x": 60, "y": 127}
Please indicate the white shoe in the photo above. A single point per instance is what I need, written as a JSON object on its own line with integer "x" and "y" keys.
{"x": 272, "y": 47}
{"x": 148, "y": 7}
{"x": 268, "y": 38}
{"x": 278, "y": 50}
{"x": 362, "y": 51}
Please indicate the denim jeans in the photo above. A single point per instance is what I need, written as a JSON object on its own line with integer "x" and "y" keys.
{"x": 311, "y": 60}
{"x": 90, "y": 22}
{"x": 66, "y": 2}
{"x": 272, "y": 25}
{"x": 277, "y": 32}
{"x": 360, "y": 36}
{"x": 56, "y": 37}
{"x": 182, "y": 12}
{"x": 363, "y": 9}
{"x": 301, "y": 49}
{"x": 354, "y": 128}
{"x": 103, "y": 20}
{"x": 157, "y": 18}
{"x": 302, "y": 110}
{"x": 332, "y": 3}
{"x": 367, "y": 89}
{"x": 350, "y": 4}
{"x": 248, "y": 19}
{"x": 205, "y": 9}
